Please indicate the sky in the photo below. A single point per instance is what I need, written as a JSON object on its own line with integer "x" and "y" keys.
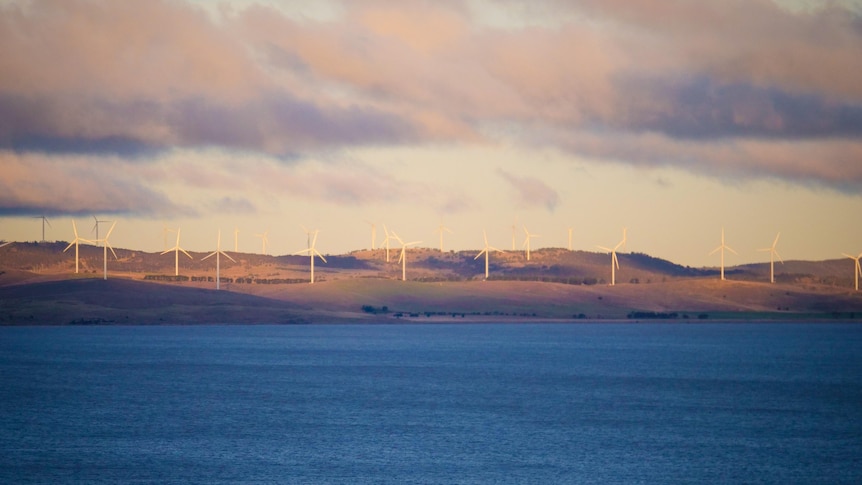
{"x": 673, "y": 119}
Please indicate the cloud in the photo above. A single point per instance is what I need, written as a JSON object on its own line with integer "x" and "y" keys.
{"x": 35, "y": 184}
{"x": 718, "y": 87}
{"x": 531, "y": 191}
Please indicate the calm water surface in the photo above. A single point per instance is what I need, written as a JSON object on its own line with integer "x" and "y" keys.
{"x": 432, "y": 404}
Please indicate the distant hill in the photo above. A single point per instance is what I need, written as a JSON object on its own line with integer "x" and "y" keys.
{"x": 38, "y": 286}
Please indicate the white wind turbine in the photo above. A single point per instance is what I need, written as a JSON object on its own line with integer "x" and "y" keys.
{"x": 722, "y": 248}
{"x": 312, "y": 252}
{"x": 165, "y": 231}
{"x": 217, "y": 253}
{"x": 263, "y": 240}
{"x": 486, "y": 251}
{"x": 858, "y": 269}
{"x": 373, "y": 234}
{"x": 772, "y": 254}
{"x": 106, "y": 245}
{"x": 527, "y": 239}
{"x": 615, "y": 262}
{"x": 403, "y": 258}
{"x": 441, "y": 229}
{"x": 176, "y": 249}
{"x": 235, "y": 239}
{"x": 44, "y": 221}
{"x": 570, "y": 238}
{"x": 96, "y": 228}
{"x": 75, "y": 242}
{"x": 386, "y": 241}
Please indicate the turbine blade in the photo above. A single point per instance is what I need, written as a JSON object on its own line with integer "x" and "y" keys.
{"x": 615, "y": 259}
{"x": 69, "y": 246}
{"x": 775, "y": 243}
{"x": 209, "y": 255}
{"x": 714, "y": 251}
{"x": 112, "y": 250}
{"x": 778, "y": 255}
{"x": 301, "y": 252}
{"x": 168, "y": 251}
{"x": 226, "y": 255}
{"x": 186, "y": 253}
{"x": 481, "y": 253}
{"x": 75, "y": 228}
{"x": 111, "y": 230}
{"x": 605, "y": 249}
{"x": 730, "y": 249}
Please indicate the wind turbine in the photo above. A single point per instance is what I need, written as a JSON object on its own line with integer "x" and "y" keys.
{"x": 441, "y": 229}
{"x": 235, "y": 239}
{"x": 44, "y": 221}
{"x": 263, "y": 240}
{"x": 96, "y": 228}
{"x": 486, "y": 250}
{"x": 373, "y": 234}
{"x": 386, "y": 241}
{"x": 312, "y": 252}
{"x": 527, "y": 241}
{"x": 75, "y": 242}
{"x": 165, "y": 231}
{"x": 722, "y": 248}
{"x": 176, "y": 249}
{"x": 403, "y": 258}
{"x": 107, "y": 246}
{"x": 858, "y": 270}
{"x": 615, "y": 262}
{"x": 217, "y": 253}
{"x": 570, "y": 238}
{"x": 514, "y": 230}
{"x": 772, "y": 254}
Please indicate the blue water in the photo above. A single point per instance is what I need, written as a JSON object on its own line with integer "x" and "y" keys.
{"x": 600, "y": 403}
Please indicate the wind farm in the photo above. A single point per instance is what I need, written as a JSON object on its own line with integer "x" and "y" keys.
{"x": 555, "y": 285}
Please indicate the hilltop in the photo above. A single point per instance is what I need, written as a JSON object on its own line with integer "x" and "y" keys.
{"x": 38, "y": 286}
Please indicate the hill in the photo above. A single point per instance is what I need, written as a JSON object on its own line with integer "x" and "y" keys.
{"x": 38, "y": 286}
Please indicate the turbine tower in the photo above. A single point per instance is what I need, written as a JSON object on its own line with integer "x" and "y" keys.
{"x": 615, "y": 262}
{"x": 235, "y": 239}
{"x": 403, "y": 258}
{"x": 217, "y": 253}
{"x": 106, "y": 245}
{"x": 570, "y": 238}
{"x": 263, "y": 240}
{"x": 772, "y": 254}
{"x": 176, "y": 249}
{"x": 75, "y": 242}
{"x": 44, "y": 221}
{"x": 441, "y": 229}
{"x": 312, "y": 252}
{"x": 165, "y": 231}
{"x": 722, "y": 248}
{"x": 96, "y": 229}
{"x": 373, "y": 234}
{"x": 857, "y": 270}
{"x": 486, "y": 250}
{"x": 527, "y": 241}
{"x": 386, "y": 241}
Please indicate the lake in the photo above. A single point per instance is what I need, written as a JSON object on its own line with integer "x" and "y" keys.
{"x": 481, "y": 403}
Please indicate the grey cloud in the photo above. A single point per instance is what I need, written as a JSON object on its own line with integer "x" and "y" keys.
{"x": 532, "y": 191}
